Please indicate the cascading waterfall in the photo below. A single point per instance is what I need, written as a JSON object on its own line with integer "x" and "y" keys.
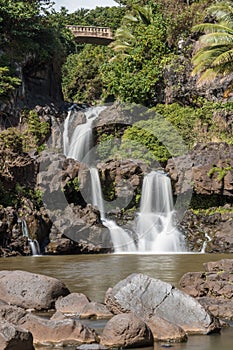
{"x": 80, "y": 143}
{"x": 155, "y": 227}
{"x": 121, "y": 239}
{"x": 66, "y": 133}
{"x": 78, "y": 147}
{"x": 34, "y": 245}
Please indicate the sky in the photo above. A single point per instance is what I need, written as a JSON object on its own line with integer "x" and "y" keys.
{"x": 73, "y": 5}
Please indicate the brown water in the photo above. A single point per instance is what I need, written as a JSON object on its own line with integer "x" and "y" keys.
{"x": 94, "y": 274}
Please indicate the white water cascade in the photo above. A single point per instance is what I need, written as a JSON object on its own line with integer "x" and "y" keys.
{"x": 34, "y": 245}
{"x": 155, "y": 223}
{"x": 155, "y": 229}
{"x": 79, "y": 144}
{"x": 121, "y": 239}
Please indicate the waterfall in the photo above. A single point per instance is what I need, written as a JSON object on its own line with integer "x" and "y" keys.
{"x": 80, "y": 143}
{"x": 121, "y": 239}
{"x": 78, "y": 147}
{"x": 208, "y": 239}
{"x": 155, "y": 227}
{"x": 34, "y": 245}
{"x": 66, "y": 133}
{"x": 96, "y": 192}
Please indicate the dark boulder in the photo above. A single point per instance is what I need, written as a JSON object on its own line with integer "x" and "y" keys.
{"x": 213, "y": 287}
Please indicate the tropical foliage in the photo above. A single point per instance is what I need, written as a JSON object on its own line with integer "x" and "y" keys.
{"x": 28, "y": 33}
{"x": 214, "y": 54}
{"x": 81, "y": 79}
{"x": 140, "y": 51}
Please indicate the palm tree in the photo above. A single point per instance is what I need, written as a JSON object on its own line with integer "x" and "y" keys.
{"x": 124, "y": 36}
{"x": 214, "y": 55}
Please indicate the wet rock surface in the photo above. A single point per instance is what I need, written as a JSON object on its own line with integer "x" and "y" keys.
{"x": 14, "y": 338}
{"x": 67, "y": 331}
{"x": 78, "y": 304}
{"x": 213, "y": 231}
{"x": 166, "y": 331}
{"x": 146, "y": 309}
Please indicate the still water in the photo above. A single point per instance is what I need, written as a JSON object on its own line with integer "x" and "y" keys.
{"x": 94, "y": 274}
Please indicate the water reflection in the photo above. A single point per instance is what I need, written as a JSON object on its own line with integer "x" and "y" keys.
{"x": 94, "y": 274}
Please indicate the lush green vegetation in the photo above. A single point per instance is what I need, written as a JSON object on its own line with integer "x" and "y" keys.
{"x": 214, "y": 54}
{"x": 168, "y": 130}
{"x": 147, "y": 35}
{"x": 129, "y": 70}
{"x": 29, "y": 34}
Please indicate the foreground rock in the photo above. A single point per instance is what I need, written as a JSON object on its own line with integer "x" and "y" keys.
{"x": 147, "y": 297}
{"x": 78, "y": 304}
{"x": 14, "y": 338}
{"x": 30, "y": 290}
{"x": 164, "y": 330}
{"x": 213, "y": 288}
{"x": 65, "y": 332}
{"x": 126, "y": 330}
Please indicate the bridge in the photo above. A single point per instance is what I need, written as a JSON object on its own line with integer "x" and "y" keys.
{"x": 91, "y": 35}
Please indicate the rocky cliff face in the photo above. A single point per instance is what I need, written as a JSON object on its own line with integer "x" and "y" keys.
{"x": 180, "y": 86}
{"x": 209, "y": 170}
{"x": 40, "y": 86}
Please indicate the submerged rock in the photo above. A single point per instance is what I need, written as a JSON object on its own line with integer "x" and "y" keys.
{"x": 147, "y": 297}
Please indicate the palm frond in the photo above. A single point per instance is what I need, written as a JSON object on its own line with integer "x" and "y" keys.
{"x": 208, "y": 76}
{"x": 225, "y": 57}
{"x": 214, "y": 55}
{"x": 144, "y": 13}
{"x": 216, "y": 38}
{"x": 119, "y": 57}
{"x": 205, "y": 57}
{"x": 129, "y": 18}
{"x": 222, "y": 11}
{"x": 212, "y": 28}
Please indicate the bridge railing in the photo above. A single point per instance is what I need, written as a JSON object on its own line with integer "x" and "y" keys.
{"x": 91, "y": 31}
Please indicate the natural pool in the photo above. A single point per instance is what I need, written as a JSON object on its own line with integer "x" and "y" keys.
{"x": 94, "y": 274}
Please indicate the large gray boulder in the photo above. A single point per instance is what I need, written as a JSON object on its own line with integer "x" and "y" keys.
{"x": 30, "y": 290}
{"x": 14, "y": 338}
{"x": 146, "y": 296}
